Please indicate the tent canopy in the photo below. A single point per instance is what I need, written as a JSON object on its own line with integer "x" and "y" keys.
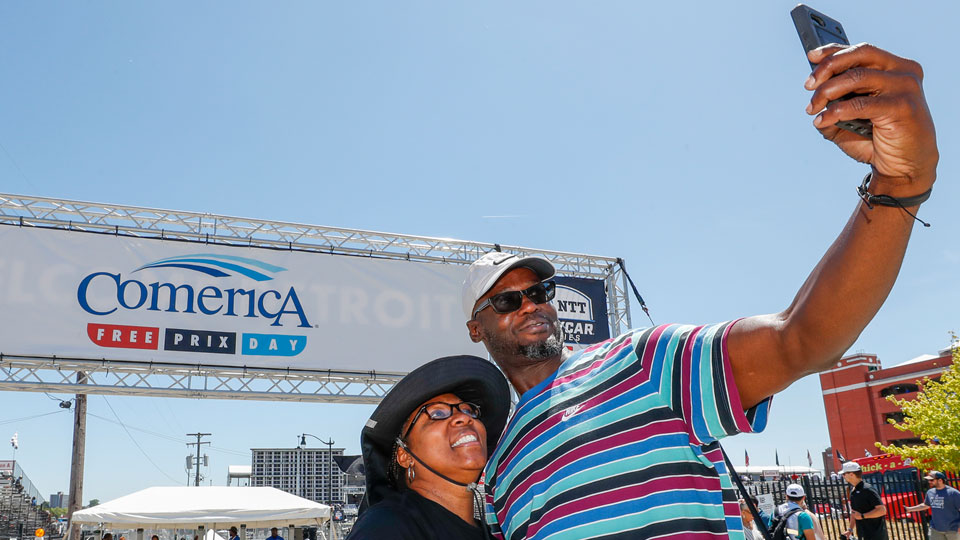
{"x": 211, "y": 506}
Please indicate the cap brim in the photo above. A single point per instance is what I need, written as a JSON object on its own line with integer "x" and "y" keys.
{"x": 471, "y": 378}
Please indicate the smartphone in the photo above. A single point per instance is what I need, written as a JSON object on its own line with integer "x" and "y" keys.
{"x": 815, "y": 30}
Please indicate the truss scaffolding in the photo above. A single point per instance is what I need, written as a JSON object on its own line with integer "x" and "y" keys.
{"x": 114, "y": 376}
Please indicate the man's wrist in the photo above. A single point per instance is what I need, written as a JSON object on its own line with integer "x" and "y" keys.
{"x": 899, "y": 186}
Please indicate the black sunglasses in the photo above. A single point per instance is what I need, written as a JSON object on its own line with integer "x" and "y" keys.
{"x": 439, "y": 410}
{"x": 509, "y": 301}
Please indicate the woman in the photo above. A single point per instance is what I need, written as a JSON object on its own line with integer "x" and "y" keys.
{"x": 424, "y": 449}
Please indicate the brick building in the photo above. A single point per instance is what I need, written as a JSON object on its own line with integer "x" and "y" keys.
{"x": 854, "y": 398}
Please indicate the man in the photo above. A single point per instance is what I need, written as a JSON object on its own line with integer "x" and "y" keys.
{"x": 764, "y": 517}
{"x": 799, "y": 524}
{"x": 274, "y": 535}
{"x": 621, "y": 439}
{"x": 866, "y": 507}
{"x": 944, "y": 504}
{"x": 234, "y": 535}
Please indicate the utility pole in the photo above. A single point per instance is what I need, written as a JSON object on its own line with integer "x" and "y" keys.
{"x": 76, "y": 463}
{"x": 197, "y": 444}
{"x": 330, "y": 467}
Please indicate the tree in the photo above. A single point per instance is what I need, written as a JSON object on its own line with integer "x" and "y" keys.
{"x": 58, "y": 511}
{"x": 934, "y": 416}
{"x": 93, "y": 502}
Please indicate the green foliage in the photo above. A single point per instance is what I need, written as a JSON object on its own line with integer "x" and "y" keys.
{"x": 934, "y": 416}
{"x": 58, "y": 511}
{"x": 93, "y": 502}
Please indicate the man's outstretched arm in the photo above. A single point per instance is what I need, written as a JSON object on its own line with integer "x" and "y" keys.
{"x": 854, "y": 277}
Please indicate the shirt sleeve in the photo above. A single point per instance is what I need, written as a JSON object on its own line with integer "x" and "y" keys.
{"x": 873, "y": 497}
{"x": 490, "y": 517}
{"x": 692, "y": 366}
{"x": 804, "y": 522}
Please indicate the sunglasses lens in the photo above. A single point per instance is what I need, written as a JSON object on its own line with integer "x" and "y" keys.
{"x": 512, "y": 300}
{"x": 506, "y": 302}
{"x": 537, "y": 294}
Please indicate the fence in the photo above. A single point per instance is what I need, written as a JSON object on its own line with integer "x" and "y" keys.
{"x": 827, "y": 498}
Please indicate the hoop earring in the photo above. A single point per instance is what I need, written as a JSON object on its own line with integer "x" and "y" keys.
{"x": 411, "y": 474}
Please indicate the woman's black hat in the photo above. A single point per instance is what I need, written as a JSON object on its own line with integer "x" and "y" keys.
{"x": 471, "y": 378}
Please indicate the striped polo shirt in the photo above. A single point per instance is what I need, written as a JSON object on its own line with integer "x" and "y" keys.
{"x": 621, "y": 442}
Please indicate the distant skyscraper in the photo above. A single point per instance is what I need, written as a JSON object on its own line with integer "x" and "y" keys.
{"x": 59, "y": 500}
{"x": 302, "y": 472}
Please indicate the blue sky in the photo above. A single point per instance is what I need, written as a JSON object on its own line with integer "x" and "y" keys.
{"x": 672, "y": 135}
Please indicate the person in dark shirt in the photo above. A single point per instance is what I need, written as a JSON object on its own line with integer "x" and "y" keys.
{"x": 424, "y": 449}
{"x": 867, "y": 510}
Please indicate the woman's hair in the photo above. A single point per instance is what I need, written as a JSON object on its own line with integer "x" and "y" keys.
{"x": 396, "y": 474}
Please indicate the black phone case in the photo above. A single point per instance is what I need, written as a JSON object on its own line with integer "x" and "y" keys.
{"x": 816, "y": 29}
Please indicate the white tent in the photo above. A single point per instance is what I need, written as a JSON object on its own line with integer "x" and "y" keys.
{"x": 214, "y": 507}
{"x": 780, "y": 469}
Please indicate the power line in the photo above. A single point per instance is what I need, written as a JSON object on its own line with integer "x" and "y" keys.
{"x": 230, "y": 451}
{"x": 135, "y": 443}
{"x": 147, "y": 431}
{"x": 168, "y": 437}
{"x": 15, "y": 164}
{"x": 14, "y": 420}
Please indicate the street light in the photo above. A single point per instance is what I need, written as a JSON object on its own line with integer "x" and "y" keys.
{"x": 330, "y": 443}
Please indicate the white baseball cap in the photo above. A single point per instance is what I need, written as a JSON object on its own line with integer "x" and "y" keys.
{"x": 850, "y": 466}
{"x": 795, "y": 490}
{"x": 485, "y": 271}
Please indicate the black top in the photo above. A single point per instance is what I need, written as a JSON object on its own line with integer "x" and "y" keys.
{"x": 863, "y": 499}
{"x": 408, "y": 516}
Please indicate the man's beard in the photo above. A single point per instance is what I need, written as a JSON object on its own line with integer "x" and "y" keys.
{"x": 548, "y": 348}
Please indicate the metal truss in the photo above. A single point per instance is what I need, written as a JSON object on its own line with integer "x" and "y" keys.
{"x": 130, "y": 378}
{"x": 113, "y": 377}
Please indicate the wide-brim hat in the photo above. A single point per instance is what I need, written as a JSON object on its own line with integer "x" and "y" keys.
{"x": 471, "y": 378}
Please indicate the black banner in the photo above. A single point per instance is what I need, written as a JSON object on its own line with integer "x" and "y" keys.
{"x": 581, "y": 305}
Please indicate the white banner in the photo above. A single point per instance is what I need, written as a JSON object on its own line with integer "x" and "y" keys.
{"x": 99, "y": 296}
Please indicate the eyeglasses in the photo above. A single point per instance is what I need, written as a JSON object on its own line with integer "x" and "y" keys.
{"x": 438, "y": 410}
{"x": 507, "y": 302}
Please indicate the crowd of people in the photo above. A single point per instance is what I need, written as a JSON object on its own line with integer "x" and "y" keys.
{"x": 234, "y": 534}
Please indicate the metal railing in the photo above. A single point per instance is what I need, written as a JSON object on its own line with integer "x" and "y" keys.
{"x": 828, "y": 500}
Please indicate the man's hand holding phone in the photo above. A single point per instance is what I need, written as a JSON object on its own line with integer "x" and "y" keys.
{"x": 903, "y": 150}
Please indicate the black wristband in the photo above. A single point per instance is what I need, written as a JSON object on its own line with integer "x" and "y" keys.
{"x": 887, "y": 200}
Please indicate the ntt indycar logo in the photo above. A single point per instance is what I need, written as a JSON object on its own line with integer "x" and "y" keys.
{"x": 110, "y": 294}
{"x": 575, "y": 314}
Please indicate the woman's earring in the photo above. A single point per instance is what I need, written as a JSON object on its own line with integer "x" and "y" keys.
{"x": 411, "y": 474}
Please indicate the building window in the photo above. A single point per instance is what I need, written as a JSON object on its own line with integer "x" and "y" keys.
{"x": 895, "y": 416}
{"x": 907, "y": 442}
{"x": 898, "y": 389}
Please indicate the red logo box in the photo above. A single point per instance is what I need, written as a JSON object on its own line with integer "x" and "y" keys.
{"x": 124, "y": 337}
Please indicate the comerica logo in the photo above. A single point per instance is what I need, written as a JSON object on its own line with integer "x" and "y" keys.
{"x": 113, "y": 292}
{"x": 218, "y": 265}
